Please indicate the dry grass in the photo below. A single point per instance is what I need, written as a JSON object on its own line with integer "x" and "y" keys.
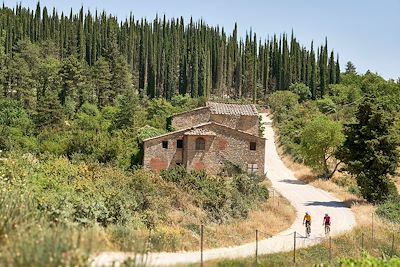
{"x": 371, "y": 234}
{"x": 269, "y": 218}
{"x": 367, "y": 220}
{"x": 397, "y": 179}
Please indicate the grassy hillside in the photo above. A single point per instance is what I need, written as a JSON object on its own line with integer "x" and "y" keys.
{"x": 52, "y": 207}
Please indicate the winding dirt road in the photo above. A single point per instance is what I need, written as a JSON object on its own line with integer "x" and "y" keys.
{"x": 303, "y": 197}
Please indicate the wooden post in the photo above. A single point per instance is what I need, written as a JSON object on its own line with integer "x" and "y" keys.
{"x": 294, "y": 248}
{"x": 201, "y": 244}
{"x": 362, "y": 241}
{"x": 372, "y": 228}
{"x": 330, "y": 249}
{"x": 392, "y": 252}
{"x": 256, "y": 247}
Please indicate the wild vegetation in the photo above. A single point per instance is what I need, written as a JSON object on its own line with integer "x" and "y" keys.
{"x": 354, "y": 128}
{"x": 374, "y": 240}
{"x": 80, "y": 92}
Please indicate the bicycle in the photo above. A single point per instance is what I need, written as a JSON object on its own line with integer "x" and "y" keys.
{"x": 327, "y": 229}
{"x": 308, "y": 229}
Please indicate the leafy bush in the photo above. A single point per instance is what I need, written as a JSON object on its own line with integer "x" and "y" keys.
{"x": 165, "y": 239}
{"x": 302, "y": 90}
{"x": 367, "y": 260}
{"x": 390, "y": 209}
{"x": 15, "y": 127}
{"x": 129, "y": 237}
{"x": 221, "y": 198}
{"x": 326, "y": 105}
{"x": 282, "y": 102}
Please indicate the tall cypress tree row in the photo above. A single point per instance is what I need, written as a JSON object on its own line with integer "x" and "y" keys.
{"x": 163, "y": 57}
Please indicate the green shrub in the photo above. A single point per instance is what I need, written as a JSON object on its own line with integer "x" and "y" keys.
{"x": 355, "y": 190}
{"x": 165, "y": 239}
{"x": 129, "y": 237}
{"x": 390, "y": 209}
{"x": 367, "y": 260}
{"x": 223, "y": 199}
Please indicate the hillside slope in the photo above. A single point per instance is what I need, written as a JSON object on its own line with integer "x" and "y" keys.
{"x": 303, "y": 197}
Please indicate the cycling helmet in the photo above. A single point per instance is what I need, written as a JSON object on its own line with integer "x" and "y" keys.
{"x": 307, "y": 213}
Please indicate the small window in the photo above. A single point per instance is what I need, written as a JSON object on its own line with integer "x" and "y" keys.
{"x": 252, "y": 168}
{"x": 200, "y": 144}
{"x": 253, "y": 145}
{"x": 179, "y": 143}
{"x": 164, "y": 144}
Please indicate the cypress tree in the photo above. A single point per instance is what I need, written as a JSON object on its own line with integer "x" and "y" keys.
{"x": 165, "y": 57}
{"x": 337, "y": 70}
{"x": 313, "y": 74}
{"x": 332, "y": 69}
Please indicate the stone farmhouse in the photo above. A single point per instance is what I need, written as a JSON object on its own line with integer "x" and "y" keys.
{"x": 206, "y": 138}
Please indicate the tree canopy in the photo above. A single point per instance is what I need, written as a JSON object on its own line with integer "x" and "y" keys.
{"x": 370, "y": 151}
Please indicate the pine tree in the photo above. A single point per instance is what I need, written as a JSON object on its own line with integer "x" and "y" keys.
{"x": 121, "y": 81}
{"x": 102, "y": 82}
{"x": 49, "y": 111}
{"x": 72, "y": 81}
{"x": 370, "y": 151}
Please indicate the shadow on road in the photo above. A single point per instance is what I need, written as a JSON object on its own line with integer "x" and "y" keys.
{"x": 334, "y": 204}
{"x": 291, "y": 181}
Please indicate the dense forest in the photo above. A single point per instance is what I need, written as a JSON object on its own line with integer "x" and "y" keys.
{"x": 96, "y": 57}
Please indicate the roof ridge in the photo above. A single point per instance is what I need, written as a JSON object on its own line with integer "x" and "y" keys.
{"x": 177, "y": 131}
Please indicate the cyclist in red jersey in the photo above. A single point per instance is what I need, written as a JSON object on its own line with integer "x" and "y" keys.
{"x": 327, "y": 223}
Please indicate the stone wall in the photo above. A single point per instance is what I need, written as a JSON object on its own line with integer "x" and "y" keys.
{"x": 158, "y": 158}
{"x": 227, "y": 145}
{"x": 191, "y": 118}
{"x": 247, "y": 124}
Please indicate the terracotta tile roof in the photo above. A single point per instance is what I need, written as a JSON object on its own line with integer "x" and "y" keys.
{"x": 200, "y": 131}
{"x": 232, "y": 109}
